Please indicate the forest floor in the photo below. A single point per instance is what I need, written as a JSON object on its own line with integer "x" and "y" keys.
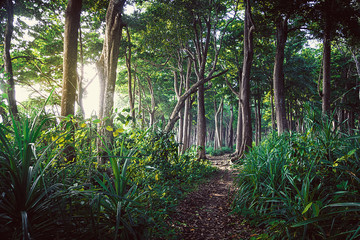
{"x": 206, "y": 212}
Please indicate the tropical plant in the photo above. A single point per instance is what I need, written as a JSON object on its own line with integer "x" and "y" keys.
{"x": 26, "y": 198}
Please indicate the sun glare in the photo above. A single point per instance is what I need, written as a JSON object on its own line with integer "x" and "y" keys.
{"x": 92, "y": 91}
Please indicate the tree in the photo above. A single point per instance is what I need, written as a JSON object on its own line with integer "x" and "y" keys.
{"x": 130, "y": 83}
{"x": 107, "y": 65}
{"x": 7, "y": 58}
{"x": 281, "y": 12}
{"x": 70, "y": 76}
{"x": 249, "y": 28}
{"x": 332, "y": 18}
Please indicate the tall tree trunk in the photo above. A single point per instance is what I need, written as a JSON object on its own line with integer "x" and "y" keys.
{"x": 107, "y": 66}
{"x": 273, "y": 117}
{"x": 178, "y": 91}
{"x": 278, "y": 78}
{"x": 326, "y": 70}
{"x": 357, "y": 64}
{"x": 7, "y": 59}
{"x": 245, "y": 83}
{"x": 70, "y": 76}
{"x": 181, "y": 128}
{"x": 80, "y": 96}
{"x": 230, "y": 128}
{"x": 258, "y": 120}
{"x": 221, "y": 128}
{"x": 351, "y": 122}
{"x": 152, "y": 95}
{"x": 239, "y": 131}
{"x": 216, "y": 119}
{"x": 201, "y": 122}
{"x": 187, "y": 123}
{"x": 128, "y": 66}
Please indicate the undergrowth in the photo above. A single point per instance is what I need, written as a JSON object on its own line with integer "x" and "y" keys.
{"x": 303, "y": 185}
{"x": 43, "y": 195}
{"x": 218, "y": 152}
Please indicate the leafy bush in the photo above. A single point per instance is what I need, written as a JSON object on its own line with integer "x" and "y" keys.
{"x": 303, "y": 186}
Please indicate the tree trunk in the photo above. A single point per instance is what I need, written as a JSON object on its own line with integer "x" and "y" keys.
{"x": 70, "y": 76}
{"x": 326, "y": 71}
{"x": 357, "y": 64}
{"x": 80, "y": 95}
{"x": 239, "y": 130}
{"x": 152, "y": 95}
{"x": 7, "y": 59}
{"x": 221, "y": 128}
{"x": 107, "y": 66}
{"x": 273, "y": 118}
{"x": 187, "y": 123}
{"x": 231, "y": 129}
{"x": 278, "y": 78}
{"x": 128, "y": 66}
{"x": 258, "y": 121}
{"x": 351, "y": 122}
{"x": 217, "y": 137}
{"x": 201, "y": 122}
{"x": 245, "y": 83}
{"x": 180, "y": 104}
{"x": 181, "y": 128}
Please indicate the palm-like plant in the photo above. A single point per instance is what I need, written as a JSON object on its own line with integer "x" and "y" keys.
{"x": 25, "y": 200}
{"x": 117, "y": 209}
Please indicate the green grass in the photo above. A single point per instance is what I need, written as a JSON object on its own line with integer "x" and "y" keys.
{"x": 303, "y": 186}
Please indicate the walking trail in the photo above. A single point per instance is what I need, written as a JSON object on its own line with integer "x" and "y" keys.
{"x": 206, "y": 213}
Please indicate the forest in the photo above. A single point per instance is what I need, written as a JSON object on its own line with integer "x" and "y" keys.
{"x": 112, "y": 112}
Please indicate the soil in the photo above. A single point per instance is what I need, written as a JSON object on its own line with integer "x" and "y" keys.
{"x": 206, "y": 213}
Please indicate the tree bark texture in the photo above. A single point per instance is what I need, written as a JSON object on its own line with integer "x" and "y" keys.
{"x": 70, "y": 76}
{"x": 107, "y": 66}
{"x": 201, "y": 122}
{"x": 7, "y": 58}
{"x": 245, "y": 83}
{"x": 278, "y": 77}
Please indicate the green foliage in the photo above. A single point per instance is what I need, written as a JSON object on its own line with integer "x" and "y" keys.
{"x": 217, "y": 152}
{"x": 303, "y": 186}
{"x": 131, "y": 197}
{"x": 26, "y": 198}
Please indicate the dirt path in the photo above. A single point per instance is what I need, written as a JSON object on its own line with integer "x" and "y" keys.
{"x": 205, "y": 213}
